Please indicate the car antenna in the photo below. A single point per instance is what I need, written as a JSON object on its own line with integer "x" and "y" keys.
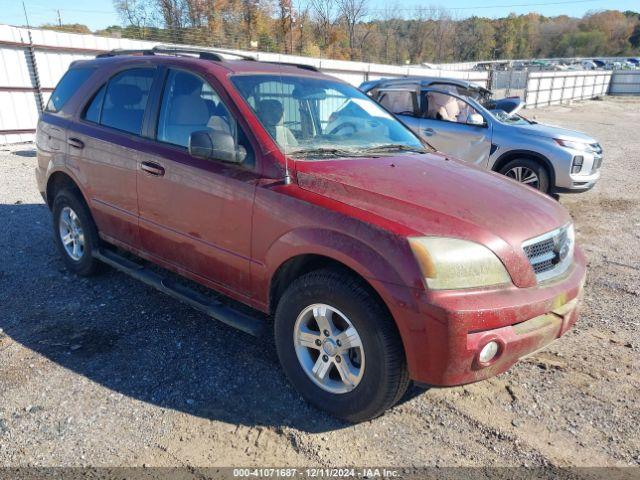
{"x": 287, "y": 175}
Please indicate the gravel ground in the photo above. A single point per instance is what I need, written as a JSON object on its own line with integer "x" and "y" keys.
{"x": 108, "y": 372}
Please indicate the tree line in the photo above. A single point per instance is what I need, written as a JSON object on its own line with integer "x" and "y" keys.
{"x": 355, "y": 30}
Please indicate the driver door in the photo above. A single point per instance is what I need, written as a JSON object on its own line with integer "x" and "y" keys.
{"x": 446, "y": 126}
{"x": 403, "y": 103}
{"x": 195, "y": 213}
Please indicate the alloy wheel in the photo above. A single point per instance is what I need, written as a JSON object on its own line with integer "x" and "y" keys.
{"x": 329, "y": 348}
{"x": 524, "y": 175}
{"x": 71, "y": 233}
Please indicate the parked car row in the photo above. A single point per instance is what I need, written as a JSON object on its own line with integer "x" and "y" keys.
{"x": 376, "y": 260}
{"x": 630, "y": 63}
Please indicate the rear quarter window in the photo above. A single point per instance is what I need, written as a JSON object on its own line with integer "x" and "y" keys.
{"x": 67, "y": 86}
{"x": 125, "y": 99}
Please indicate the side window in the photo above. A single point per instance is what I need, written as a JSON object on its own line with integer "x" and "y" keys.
{"x": 126, "y": 99}
{"x": 190, "y": 104}
{"x": 400, "y": 102}
{"x": 67, "y": 86}
{"x": 445, "y": 107}
{"x": 93, "y": 110}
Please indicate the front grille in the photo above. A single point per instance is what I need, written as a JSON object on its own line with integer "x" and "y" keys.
{"x": 550, "y": 254}
{"x": 597, "y": 158}
{"x": 597, "y": 163}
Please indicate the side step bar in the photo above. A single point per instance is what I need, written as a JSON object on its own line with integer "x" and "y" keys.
{"x": 211, "y": 307}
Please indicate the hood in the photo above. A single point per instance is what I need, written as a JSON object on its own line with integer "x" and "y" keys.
{"x": 431, "y": 195}
{"x": 509, "y": 105}
{"x": 550, "y": 131}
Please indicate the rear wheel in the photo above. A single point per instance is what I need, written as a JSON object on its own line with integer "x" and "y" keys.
{"x": 528, "y": 172}
{"x": 339, "y": 347}
{"x": 75, "y": 233}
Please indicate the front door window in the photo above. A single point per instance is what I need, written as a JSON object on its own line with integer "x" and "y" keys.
{"x": 448, "y": 108}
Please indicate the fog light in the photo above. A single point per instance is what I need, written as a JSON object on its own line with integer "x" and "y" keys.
{"x": 488, "y": 352}
{"x": 577, "y": 164}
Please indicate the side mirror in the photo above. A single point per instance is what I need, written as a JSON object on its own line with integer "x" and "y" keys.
{"x": 216, "y": 145}
{"x": 475, "y": 119}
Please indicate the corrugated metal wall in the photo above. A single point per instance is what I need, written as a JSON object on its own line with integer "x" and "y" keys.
{"x": 550, "y": 88}
{"x": 54, "y": 51}
{"x": 625, "y": 83}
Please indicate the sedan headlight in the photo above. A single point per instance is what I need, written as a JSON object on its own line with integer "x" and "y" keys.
{"x": 581, "y": 146}
{"x": 451, "y": 263}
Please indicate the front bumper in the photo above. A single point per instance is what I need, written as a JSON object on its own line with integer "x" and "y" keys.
{"x": 567, "y": 182}
{"x": 444, "y": 337}
{"x": 577, "y": 183}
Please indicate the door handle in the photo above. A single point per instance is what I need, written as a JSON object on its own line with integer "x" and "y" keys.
{"x": 428, "y": 131}
{"x": 152, "y": 168}
{"x": 76, "y": 143}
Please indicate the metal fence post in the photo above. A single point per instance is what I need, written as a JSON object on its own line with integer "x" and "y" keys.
{"x": 32, "y": 67}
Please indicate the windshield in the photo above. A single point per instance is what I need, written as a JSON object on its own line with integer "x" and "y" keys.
{"x": 504, "y": 117}
{"x": 314, "y": 118}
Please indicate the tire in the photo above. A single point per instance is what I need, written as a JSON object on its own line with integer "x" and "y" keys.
{"x": 383, "y": 377}
{"x": 68, "y": 209}
{"x": 526, "y": 164}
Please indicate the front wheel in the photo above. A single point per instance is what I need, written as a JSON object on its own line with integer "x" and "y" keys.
{"x": 528, "y": 172}
{"x": 339, "y": 347}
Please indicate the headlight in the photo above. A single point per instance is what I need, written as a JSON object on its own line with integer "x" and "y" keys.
{"x": 451, "y": 263}
{"x": 583, "y": 147}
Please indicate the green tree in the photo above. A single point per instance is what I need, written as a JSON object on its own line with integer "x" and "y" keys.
{"x": 581, "y": 44}
{"x": 475, "y": 39}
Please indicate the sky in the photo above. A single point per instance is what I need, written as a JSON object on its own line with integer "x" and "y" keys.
{"x": 98, "y": 14}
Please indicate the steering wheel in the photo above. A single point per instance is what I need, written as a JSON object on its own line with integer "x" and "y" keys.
{"x": 343, "y": 126}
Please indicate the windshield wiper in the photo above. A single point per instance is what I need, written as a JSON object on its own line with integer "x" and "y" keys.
{"x": 322, "y": 151}
{"x": 393, "y": 147}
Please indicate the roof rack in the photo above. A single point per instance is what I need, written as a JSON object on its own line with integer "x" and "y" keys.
{"x": 203, "y": 53}
{"x": 299, "y": 65}
{"x": 121, "y": 51}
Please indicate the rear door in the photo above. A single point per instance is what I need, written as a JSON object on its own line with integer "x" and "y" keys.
{"x": 446, "y": 127}
{"x": 194, "y": 213}
{"x": 105, "y": 145}
{"x": 51, "y": 138}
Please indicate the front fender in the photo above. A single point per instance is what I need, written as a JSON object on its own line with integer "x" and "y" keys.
{"x": 346, "y": 249}
{"x": 386, "y": 274}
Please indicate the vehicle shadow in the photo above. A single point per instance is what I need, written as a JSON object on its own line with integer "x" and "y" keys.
{"x": 136, "y": 341}
{"x": 30, "y": 153}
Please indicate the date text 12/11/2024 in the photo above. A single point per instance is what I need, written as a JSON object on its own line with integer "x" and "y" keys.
{"x": 315, "y": 473}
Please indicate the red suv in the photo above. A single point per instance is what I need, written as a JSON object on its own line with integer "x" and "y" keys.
{"x": 380, "y": 261}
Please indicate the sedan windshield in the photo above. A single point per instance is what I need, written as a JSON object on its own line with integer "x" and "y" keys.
{"x": 319, "y": 118}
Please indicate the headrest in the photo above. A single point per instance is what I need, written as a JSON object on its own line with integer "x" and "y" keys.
{"x": 270, "y": 111}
